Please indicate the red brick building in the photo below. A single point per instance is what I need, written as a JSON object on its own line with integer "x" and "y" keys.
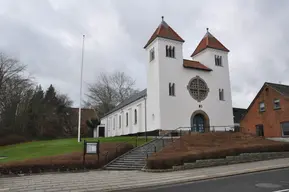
{"x": 268, "y": 114}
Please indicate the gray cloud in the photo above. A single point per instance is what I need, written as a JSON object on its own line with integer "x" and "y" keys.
{"x": 47, "y": 35}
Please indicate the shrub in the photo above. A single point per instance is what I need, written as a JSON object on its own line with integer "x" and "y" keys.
{"x": 12, "y": 139}
{"x": 190, "y": 148}
{"x": 66, "y": 162}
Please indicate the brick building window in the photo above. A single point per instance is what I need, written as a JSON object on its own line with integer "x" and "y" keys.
{"x": 262, "y": 107}
{"x": 285, "y": 128}
{"x": 277, "y": 104}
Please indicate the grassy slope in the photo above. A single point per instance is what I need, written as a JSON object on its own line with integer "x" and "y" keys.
{"x": 37, "y": 149}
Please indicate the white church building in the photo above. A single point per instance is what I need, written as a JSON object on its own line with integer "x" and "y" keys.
{"x": 194, "y": 94}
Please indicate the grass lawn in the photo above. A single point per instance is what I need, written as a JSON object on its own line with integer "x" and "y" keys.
{"x": 31, "y": 150}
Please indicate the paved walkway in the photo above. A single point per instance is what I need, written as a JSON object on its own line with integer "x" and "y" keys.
{"x": 119, "y": 180}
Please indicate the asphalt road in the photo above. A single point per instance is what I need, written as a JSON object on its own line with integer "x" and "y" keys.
{"x": 268, "y": 181}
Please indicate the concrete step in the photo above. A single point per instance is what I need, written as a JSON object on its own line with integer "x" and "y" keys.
{"x": 128, "y": 163}
{"x": 136, "y": 156}
{"x": 126, "y": 166}
{"x": 123, "y": 168}
{"x": 136, "y": 159}
{"x": 130, "y": 160}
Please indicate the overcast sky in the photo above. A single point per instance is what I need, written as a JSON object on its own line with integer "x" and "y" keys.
{"x": 46, "y": 35}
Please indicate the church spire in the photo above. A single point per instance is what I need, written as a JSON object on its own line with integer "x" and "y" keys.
{"x": 164, "y": 31}
{"x": 209, "y": 41}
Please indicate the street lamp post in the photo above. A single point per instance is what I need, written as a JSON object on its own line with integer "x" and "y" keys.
{"x": 80, "y": 91}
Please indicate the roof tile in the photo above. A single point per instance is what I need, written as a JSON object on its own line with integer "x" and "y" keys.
{"x": 164, "y": 31}
{"x": 209, "y": 41}
{"x": 195, "y": 65}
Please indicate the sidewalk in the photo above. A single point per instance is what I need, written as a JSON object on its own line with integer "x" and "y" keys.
{"x": 120, "y": 180}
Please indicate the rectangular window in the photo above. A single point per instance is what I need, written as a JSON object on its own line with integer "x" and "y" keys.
{"x": 285, "y": 128}
{"x": 218, "y": 60}
{"x": 135, "y": 116}
{"x": 119, "y": 121}
{"x": 152, "y": 54}
{"x": 126, "y": 119}
{"x": 262, "y": 107}
{"x": 221, "y": 94}
{"x": 260, "y": 130}
{"x": 277, "y": 104}
{"x": 171, "y": 89}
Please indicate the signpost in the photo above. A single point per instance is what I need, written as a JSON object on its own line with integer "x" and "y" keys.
{"x": 91, "y": 147}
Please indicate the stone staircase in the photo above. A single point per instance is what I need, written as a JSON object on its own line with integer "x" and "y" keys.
{"x": 135, "y": 158}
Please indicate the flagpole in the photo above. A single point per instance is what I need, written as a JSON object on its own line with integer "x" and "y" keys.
{"x": 80, "y": 91}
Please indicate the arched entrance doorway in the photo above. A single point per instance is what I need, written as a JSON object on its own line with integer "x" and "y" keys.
{"x": 200, "y": 122}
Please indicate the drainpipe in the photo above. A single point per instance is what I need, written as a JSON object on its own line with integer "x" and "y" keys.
{"x": 146, "y": 119}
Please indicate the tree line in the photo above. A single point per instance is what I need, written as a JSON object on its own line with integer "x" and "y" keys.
{"x": 28, "y": 111}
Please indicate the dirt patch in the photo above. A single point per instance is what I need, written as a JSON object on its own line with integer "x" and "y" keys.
{"x": 190, "y": 148}
{"x": 65, "y": 162}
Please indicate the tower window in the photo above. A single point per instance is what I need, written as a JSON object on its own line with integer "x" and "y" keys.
{"x": 152, "y": 54}
{"x": 170, "y": 51}
{"x": 218, "y": 60}
{"x": 171, "y": 89}
{"x": 221, "y": 94}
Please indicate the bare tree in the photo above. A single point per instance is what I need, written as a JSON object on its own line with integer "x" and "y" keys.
{"x": 15, "y": 89}
{"x": 11, "y": 77}
{"x": 109, "y": 90}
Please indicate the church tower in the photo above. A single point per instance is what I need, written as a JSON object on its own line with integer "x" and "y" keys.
{"x": 214, "y": 55}
{"x": 165, "y": 53}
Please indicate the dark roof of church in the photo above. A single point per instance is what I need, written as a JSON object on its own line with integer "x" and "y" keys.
{"x": 128, "y": 101}
{"x": 209, "y": 41}
{"x": 164, "y": 31}
{"x": 238, "y": 114}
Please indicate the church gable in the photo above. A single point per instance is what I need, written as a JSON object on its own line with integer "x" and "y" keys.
{"x": 164, "y": 31}
{"x": 209, "y": 41}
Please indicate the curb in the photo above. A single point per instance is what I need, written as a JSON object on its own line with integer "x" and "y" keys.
{"x": 199, "y": 178}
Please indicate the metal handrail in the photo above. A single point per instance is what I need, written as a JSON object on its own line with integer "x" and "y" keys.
{"x": 180, "y": 128}
{"x": 136, "y": 138}
{"x": 146, "y": 151}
